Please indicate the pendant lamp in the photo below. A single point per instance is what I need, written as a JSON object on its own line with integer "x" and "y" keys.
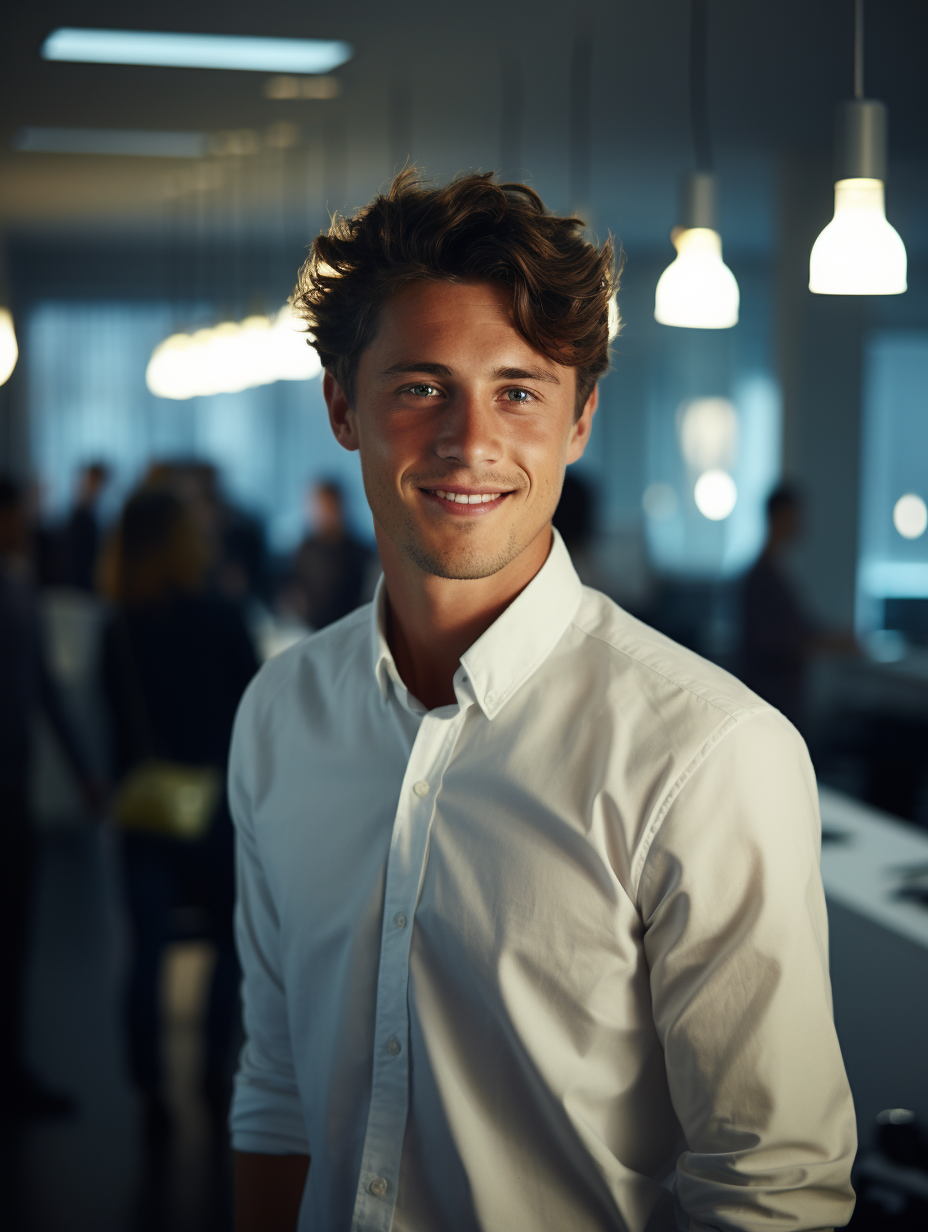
{"x": 9, "y": 351}
{"x": 698, "y": 290}
{"x": 859, "y": 253}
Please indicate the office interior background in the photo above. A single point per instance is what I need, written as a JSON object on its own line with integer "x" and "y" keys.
{"x": 140, "y": 202}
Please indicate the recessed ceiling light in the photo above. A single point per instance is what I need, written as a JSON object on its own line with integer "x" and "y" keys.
{"x": 231, "y": 51}
{"x": 141, "y": 143}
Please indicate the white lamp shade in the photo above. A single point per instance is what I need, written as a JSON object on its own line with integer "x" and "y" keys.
{"x": 697, "y": 290}
{"x": 9, "y": 351}
{"x": 858, "y": 253}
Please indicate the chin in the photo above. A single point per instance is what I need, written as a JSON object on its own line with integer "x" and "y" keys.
{"x": 462, "y": 562}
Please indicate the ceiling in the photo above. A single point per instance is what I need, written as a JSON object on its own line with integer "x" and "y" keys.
{"x": 442, "y": 84}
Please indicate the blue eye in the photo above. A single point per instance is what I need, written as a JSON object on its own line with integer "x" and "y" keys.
{"x": 422, "y": 391}
{"x": 518, "y": 395}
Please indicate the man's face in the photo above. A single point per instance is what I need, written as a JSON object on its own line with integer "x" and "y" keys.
{"x": 464, "y": 429}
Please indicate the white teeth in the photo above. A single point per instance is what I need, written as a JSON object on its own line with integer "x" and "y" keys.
{"x": 461, "y": 498}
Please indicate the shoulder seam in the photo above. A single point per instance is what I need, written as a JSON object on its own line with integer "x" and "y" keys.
{"x": 279, "y": 685}
{"x": 287, "y": 676}
{"x": 670, "y": 680}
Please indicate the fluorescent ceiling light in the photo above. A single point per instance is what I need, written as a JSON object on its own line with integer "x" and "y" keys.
{"x": 142, "y": 143}
{"x": 234, "y": 51}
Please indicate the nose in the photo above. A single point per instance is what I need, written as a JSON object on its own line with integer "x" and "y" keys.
{"x": 468, "y": 431}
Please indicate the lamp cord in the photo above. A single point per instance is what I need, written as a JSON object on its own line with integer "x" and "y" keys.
{"x": 581, "y": 123}
{"x": 699, "y": 83}
{"x": 858, "y": 49}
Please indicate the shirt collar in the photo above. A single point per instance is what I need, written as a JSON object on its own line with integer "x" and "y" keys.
{"x": 513, "y": 647}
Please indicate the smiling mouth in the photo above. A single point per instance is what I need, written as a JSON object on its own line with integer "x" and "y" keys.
{"x": 468, "y": 498}
{"x": 463, "y": 501}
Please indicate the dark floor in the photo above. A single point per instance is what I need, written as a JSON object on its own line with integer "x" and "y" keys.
{"x": 91, "y": 1172}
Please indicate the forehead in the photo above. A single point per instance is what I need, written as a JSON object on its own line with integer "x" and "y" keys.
{"x": 458, "y": 323}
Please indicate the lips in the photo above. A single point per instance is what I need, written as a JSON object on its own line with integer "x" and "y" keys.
{"x": 465, "y": 501}
{"x": 471, "y": 498}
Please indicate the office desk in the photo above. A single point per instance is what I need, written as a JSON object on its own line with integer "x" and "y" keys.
{"x": 879, "y": 957}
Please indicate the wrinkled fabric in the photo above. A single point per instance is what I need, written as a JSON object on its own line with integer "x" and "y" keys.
{"x": 553, "y": 957}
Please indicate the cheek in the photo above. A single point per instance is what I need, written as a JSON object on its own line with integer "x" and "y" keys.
{"x": 541, "y": 451}
{"x": 388, "y": 449}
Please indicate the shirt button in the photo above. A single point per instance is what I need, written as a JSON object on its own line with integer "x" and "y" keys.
{"x": 378, "y": 1187}
{"x": 394, "y": 1047}
{"x": 490, "y": 698}
{"x": 421, "y": 788}
{"x": 399, "y": 920}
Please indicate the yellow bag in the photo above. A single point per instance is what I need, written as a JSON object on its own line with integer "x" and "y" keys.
{"x": 168, "y": 798}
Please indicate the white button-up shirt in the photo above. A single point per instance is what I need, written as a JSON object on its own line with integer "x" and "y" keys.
{"x": 551, "y": 958}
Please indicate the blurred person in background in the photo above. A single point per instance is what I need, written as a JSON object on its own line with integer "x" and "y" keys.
{"x": 331, "y": 568}
{"x": 82, "y": 531}
{"x": 234, "y": 540}
{"x": 575, "y": 519}
{"x": 779, "y": 635}
{"x": 47, "y": 546}
{"x": 25, "y": 685}
{"x": 181, "y": 656}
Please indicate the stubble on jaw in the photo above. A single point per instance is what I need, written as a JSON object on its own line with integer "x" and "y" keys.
{"x": 469, "y": 565}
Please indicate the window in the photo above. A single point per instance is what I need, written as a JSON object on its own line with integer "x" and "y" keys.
{"x": 892, "y": 572}
{"x": 88, "y": 400}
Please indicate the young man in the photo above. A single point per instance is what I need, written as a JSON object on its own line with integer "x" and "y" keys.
{"x": 529, "y": 913}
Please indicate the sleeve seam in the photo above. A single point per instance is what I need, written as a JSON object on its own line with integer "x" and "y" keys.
{"x": 644, "y": 847}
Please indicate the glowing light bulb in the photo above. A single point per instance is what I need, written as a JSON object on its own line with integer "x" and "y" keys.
{"x": 168, "y": 371}
{"x": 294, "y": 358}
{"x": 228, "y": 371}
{"x": 708, "y": 429}
{"x": 9, "y": 351}
{"x": 910, "y": 516}
{"x": 715, "y": 495}
{"x": 697, "y": 289}
{"x": 858, "y": 253}
{"x": 232, "y": 356}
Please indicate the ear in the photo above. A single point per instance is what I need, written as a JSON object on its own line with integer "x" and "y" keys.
{"x": 580, "y": 429}
{"x": 341, "y": 416}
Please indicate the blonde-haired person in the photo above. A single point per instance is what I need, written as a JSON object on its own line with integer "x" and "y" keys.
{"x": 175, "y": 662}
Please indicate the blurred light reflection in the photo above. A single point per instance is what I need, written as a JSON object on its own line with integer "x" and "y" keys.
{"x": 232, "y": 356}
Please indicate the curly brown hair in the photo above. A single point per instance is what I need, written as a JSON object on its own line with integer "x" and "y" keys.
{"x": 471, "y": 230}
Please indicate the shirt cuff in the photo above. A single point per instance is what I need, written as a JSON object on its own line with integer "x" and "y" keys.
{"x": 266, "y": 1120}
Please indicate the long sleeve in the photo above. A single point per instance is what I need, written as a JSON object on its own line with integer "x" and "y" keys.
{"x": 266, "y": 1116}
{"x": 737, "y": 943}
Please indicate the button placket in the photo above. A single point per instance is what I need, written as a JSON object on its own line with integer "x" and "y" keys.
{"x": 431, "y": 752}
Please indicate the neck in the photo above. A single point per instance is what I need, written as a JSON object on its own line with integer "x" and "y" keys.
{"x": 432, "y": 621}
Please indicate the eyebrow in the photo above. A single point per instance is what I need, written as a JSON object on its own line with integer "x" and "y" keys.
{"x": 500, "y": 374}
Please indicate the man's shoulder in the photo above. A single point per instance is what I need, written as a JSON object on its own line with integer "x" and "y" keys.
{"x": 315, "y": 667}
{"x": 653, "y": 664}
